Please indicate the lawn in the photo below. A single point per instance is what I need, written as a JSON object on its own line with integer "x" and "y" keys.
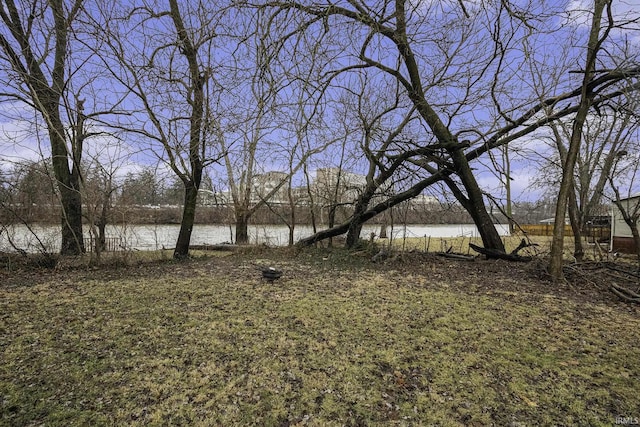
{"x": 337, "y": 341}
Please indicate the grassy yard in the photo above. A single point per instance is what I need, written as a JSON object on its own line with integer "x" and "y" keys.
{"x": 337, "y": 341}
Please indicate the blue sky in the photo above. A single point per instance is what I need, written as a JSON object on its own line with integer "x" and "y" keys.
{"x": 20, "y": 141}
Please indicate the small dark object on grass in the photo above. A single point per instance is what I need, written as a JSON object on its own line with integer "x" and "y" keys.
{"x": 271, "y": 274}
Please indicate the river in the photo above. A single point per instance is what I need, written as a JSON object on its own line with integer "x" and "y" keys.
{"x": 151, "y": 237}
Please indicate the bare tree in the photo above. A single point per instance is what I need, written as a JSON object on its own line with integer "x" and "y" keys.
{"x": 270, "y": 114}
{"x": 141, "y": 188}
{"x": 306, "y": 127}
{"x": 243, "y": 140}
{"x": 164, "y": 57}
{"x": 393, "y": 39}
{"x": 607, "y": 132}
{"x": 380, "y": 126}
{"x": 35, "y": 47}
{"x": 34, "y": 196}
{"x": 100, "y": 186}
{"x": 449, "y": 80}
{"x": 586, "y": 100}
{"x": 27, "y": 196}
{"x": 388, "y": 28}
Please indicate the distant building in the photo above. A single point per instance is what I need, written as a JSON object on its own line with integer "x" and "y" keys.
{"x": 261, "y": 186}
{"x": 422, "y": 200}
{"x": 621, "y": 236}
{"x": 333, "y": 185}
{"x": 265, "y": 183}
{"x": 213, "y": 198}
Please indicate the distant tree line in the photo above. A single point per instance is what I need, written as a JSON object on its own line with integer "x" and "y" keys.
{"x": 143, "y": 197}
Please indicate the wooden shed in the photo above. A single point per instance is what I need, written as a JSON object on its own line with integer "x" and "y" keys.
{"x": 621, "y": 237}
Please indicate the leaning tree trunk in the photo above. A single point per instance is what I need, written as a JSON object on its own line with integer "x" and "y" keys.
{"x": 357, "y": 220}
{"x": 325, "y": 234}
{"x": 474, "y": 203}
{"x": 355, "y": 228}
{"x": 188, "y": 218}
{"x": 381, "y": 207}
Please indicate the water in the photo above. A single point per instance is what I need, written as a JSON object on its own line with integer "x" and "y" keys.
{"x": 152, "y": 237}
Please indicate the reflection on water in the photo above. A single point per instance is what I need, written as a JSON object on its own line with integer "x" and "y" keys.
{"x": 151, "y": 237}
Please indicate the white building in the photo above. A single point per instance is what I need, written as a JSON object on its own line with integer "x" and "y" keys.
{"x": 265, "y": 183}
{"x": 621, "y": 236}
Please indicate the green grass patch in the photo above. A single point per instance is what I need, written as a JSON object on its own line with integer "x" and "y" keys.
{"x": 208, "y": 343}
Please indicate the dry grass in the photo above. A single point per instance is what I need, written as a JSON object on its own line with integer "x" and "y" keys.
{"x": 461, "y": 245}
{"x": 335, "y": 342}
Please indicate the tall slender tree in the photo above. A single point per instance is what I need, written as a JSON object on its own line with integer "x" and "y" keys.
{"x": 596, "y": 38}
{"x": 164, "y": 58}
{"x": 35, "y": 47}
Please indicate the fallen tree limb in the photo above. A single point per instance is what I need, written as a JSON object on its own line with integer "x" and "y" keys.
{"x": 523, "y": 244}
{"x": 218, "y": 247}
{"x": 625, "y": 294}
{"x": 496, "y": 254}
{"x": 612, "y": 266}
{"x": 452, "y": 255}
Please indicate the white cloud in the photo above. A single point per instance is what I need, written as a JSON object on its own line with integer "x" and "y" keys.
{"x": 19, "y": 140}
{"x": 24, "y": 139}
{"x": 580, "y": 13}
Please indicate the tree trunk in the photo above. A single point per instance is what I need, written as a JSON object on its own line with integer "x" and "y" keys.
{"x": 29, "y": 63}
{"x": 242, "y": 228}
{"x": 292, "y": 212}
{"x": 69, "y": 187}
{"x": 557, "y": 244}
{"x": 576, "y": 226}
{"x": 102, "y": 221}
{"x": 355, "y": 225}
{"x": 507, "y": 188}
{"x": 312, "y": 206}
{"x": 292, "y": 224}
{"x": 101, "y": 244}
{"x": 383, "y": 228}
{"x": 355, "y": 228}
{"x": 324, "y": 234}
{"x": 474, "y": 203}
{"x": 331, "y": 220}
{"x": 633, "y": 225}
{"x": 490, "y": 237}
{"x": 291, "y": 235}
{"x": 196, "y": 101}
{"x": 188, "y": 218}
{"x": 72, "y": 237}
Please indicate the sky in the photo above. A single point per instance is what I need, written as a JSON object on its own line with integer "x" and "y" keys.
{"x": 19, "y": 141}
